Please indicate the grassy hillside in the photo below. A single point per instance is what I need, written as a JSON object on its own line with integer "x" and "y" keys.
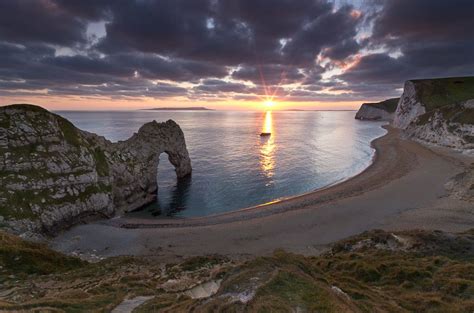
{"x": 22, "y": 258}
{"x": 389, "y": 105}
{"x": 435, "y": 93}
{"x": 415, "y": 271}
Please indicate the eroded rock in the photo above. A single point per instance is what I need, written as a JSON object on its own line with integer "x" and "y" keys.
{"x": 438, "y": 111}
{"x": 53, "y": 175}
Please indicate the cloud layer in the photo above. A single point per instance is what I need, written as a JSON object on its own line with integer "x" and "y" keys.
{"x": 306, "y": 50}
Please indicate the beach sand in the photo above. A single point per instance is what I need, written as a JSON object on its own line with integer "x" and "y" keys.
{"x": 404, "y": 188}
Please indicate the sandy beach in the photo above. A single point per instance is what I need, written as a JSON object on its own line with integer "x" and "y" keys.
{"x": 404, "y": 188}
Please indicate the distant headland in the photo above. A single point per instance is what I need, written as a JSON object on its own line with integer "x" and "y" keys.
{"x": 181, "y": 109}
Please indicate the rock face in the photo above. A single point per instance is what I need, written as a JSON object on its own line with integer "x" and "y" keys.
{"x": 53, "y": 175}
{"x": 409, "y": 107}
{"x": 445, "y": 127}
{"x": 380, "y": 111}
{"x": 438, "y": 111}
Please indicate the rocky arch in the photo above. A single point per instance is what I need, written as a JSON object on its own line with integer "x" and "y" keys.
{"x": 54, "y": 175}
{"x": 136, "y": 176}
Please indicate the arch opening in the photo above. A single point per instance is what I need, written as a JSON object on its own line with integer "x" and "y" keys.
{"x": 172, "y": 189}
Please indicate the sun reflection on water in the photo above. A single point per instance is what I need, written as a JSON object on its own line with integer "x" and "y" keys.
{"x": 267, "y": 148}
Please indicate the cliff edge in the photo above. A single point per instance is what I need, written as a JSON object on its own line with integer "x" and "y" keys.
{"x": 380, "y": 111}
{"x": 54, "y": 175}
{"x": 438, "y": 111}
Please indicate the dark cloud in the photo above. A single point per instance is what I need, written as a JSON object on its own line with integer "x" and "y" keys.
{"x": 268, "y": 74}
{"x": 88, "y": 9}
{"x": 144, "y": 65}
{"x": 134, "y": 89}
{"x": 402, "y": 21}
{"x": 220, "y": 86}
{"x": 327, "y": 30}
{"x": 377, "y": 68}
{"x": 230, "y": 48}
{"x": 423, "y": 39}
{"x": 341, "y": 50}
{"x": 43, "y": 21}
{"x": 230, "y": 32}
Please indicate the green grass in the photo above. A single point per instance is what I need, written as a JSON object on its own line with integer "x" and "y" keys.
{"x": 70, "y": 132}
{"x": 389, "y": 105}
{"x": 434, "y": 272}
{"x": 435, "y": 93}
{"x": 289, "y": 289}
{"x": 22, "y": 258}
{"x": 195, "y": 263}
{"x": 451, "y": 114}
{"x": 465, "y": 117}
{"x": 28, "y": 107}
{"x": 102, "y": 166}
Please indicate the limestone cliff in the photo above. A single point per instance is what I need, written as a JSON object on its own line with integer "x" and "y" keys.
{"x": 380, "y": 111}
{"x": 438, "y": 111}
{"x": 409, "y": 107}
{"x": 53, "y": 175}
{"x": 451, "y": 126}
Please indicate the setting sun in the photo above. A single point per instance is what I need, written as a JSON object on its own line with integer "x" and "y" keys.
{"x": 269, "y": 103}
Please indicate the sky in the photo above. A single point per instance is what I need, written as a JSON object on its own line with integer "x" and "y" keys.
{"x": 227, "y": 54}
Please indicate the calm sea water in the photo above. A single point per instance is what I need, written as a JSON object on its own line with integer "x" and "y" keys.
{"x": 233, "y": 167}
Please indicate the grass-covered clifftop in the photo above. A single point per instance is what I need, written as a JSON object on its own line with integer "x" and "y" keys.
{"x": 389, "y": 105}
{"x": 383, "y": 110}
{"x": 414, "y": 271}
{"x": 438, "y": 111}
{"x": 436, "y": 93}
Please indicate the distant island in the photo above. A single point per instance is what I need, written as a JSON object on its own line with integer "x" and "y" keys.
{"x": 181, "y": 109}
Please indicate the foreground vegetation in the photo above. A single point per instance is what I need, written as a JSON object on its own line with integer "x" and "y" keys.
{"x": 416, "y": 271}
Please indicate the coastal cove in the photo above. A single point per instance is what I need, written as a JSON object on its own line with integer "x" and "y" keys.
{"x": 234, "y": 168}
{"x": 237, "y": 156}
{"x": 407, "y": 177}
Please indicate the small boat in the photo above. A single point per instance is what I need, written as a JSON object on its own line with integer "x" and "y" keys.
{"x": 265, "y": 134}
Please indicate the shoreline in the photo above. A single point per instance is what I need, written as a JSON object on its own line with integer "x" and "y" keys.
{"x": 403, "y": 188}
{"x": 247, "y": 212}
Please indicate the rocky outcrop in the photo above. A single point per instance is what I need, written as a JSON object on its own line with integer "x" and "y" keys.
{"x": 409, "y": 107}
{"x": 448, "y": 126}
{"x": 380, "y": 111}
{"x": 438, "y": 111}
{"x": 53, "y": 175}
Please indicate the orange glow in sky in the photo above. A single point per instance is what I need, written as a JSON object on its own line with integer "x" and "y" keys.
{"x": 103, "y": 103}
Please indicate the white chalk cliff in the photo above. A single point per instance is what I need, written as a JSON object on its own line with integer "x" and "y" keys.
{"x": 409, "y": 107}
{"x": 438, "y": 112}
{"x": 380, "y": 111}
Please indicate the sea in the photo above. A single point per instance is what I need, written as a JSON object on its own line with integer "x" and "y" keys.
{"x": 233, "y": 166}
